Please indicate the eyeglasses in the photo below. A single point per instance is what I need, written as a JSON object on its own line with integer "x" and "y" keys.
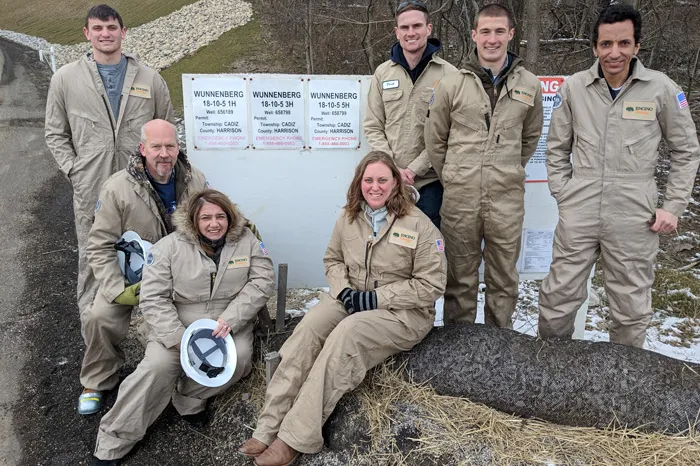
{"x": 416, "y": 3}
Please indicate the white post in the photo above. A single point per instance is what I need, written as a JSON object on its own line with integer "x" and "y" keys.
{"x": 53, "y": 60}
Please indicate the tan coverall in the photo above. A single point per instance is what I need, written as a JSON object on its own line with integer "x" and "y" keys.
{"x": 479, "y": 153}
{"x": 395, "y": 117}
{"x": 182, "y": 285}
{"x": 330, "y": 351}
{"x": 606, "y": 194}
{"x": 127, "y": 202}
{"x": 89, "y": 145}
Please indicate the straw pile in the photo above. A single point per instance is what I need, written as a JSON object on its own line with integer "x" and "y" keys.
{"x": 447, "y": 424}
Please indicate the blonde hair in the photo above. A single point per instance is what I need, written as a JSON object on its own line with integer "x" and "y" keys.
{"x": 399, "y": 202}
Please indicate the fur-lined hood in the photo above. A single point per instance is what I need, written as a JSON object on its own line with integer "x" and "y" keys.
{"x": 188, "y": 230}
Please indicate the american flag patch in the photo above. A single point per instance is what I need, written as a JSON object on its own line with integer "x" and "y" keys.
{"x": 682, "y": 101}
{"x": 263, "y": 248}
{"x": 440, "y": 245}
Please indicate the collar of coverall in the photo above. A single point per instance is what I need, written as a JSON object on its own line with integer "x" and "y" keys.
{"x": 432, "y": 47}
{"x": 637, "y": 71}
{"x": 475, "y": 67}
{"x": 89, "y": 57}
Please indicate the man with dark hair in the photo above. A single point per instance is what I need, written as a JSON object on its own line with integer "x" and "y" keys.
{"x": 103, "y": 13}
{"x": 483, "y": 126}
{"x": 94, "y": 111}
{"x": 602, "y": 152}
{"x": 398, "y": 102}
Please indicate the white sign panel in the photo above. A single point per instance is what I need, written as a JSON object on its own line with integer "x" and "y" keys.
{"x": 220, "y": 113}
{"x": 536, "y": 168}
{"x": 334, "y": 113}
{"x": 277, "y": 113}
{"x": 536, "y": 255}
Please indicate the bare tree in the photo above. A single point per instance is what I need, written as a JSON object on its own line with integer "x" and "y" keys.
{"x": 532, "y": 34}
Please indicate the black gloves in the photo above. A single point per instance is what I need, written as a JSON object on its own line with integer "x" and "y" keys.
{"x": 357, "y": 301}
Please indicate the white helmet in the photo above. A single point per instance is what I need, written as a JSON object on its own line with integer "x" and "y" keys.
{"x": 414, "y": 193}
{"x": 131, "y": 254}
{"x": 207, "y": 360}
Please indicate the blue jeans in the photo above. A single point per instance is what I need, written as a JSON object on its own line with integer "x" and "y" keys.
{"x": 431, "y": 201}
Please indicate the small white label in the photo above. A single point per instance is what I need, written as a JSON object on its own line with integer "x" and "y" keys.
{"x": 390, "y": 84}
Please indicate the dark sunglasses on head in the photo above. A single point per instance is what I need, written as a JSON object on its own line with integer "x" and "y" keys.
{"x": 416, "y": 3}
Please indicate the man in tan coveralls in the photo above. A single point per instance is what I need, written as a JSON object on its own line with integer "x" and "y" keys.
{"x": 94, "y": 112}
{"x": 482, "y": 128}
{"x": 130, "y": 200}
{"x": 398, "y": 102}
{"x": 611, "y": 118}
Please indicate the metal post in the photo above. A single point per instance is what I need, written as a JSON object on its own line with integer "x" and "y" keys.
{"x": 281, "y": 296}
{"x": 272, "y": 360}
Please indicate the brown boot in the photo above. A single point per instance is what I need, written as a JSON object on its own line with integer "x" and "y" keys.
{"x": 277, "y": 454}
{"x": 252, "y": 447}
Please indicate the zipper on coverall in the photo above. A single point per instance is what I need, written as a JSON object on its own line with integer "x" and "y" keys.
{"x": 368, "y": 248}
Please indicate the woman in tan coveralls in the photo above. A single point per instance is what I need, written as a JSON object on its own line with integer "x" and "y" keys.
{"x": 385, "y": 266}
{"x": 212, "y": 267}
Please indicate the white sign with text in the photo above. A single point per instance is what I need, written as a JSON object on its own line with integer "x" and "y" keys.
{"x": 334, "y": 113}
{"x": 220, "y": 113}
{"x": 277, "y": 110}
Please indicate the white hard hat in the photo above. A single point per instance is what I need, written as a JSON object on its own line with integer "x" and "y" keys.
{"x": 414, "y": 193}
{"x": 131, "y": 254}
{"x": 207, "y": 360}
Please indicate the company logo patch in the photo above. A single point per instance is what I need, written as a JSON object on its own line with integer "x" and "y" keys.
{"x": 238, "y": 262}
{"x": 150, "y": 258}
{"x": 393, "y": 84}
{"x": 556, "y": 103}
{"x": 524, "y": 95}
{"x": 403, "y": 237}
{"x": 632, "y": 110}
{"x": 140, "y": 90}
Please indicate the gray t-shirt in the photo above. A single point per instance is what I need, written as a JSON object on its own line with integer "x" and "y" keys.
{"x": 113, "y": 80}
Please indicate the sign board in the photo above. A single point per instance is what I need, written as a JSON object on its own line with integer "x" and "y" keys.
{"x": 277, "y": 113}
{"x": 284, "y": 148}
{"x": 334, "y": 113}
{"x": 220, "y": 110}
{"x": 536, "y": 169}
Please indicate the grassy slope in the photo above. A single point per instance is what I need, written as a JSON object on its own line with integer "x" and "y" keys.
{"x": 64, "y": 24}
{"x": 214, "y": 58}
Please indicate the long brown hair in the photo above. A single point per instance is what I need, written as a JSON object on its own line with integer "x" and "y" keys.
{"x": 195, "y": 204}
{"x": 399, "y": 202}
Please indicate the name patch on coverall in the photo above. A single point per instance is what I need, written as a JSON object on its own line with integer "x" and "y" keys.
{"x": 238, "y": 262}
{"x": 140, "y": 90}
{"x": 403, "y": 237}
{"x": 390, "y": 84}
{"x": 524, "y": 95}
{"x": 638, "y": 110}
